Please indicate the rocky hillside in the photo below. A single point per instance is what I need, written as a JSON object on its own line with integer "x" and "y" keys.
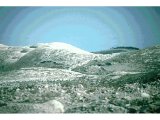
{"x": 77, "y": 81}
{"x": 53, "y": 55}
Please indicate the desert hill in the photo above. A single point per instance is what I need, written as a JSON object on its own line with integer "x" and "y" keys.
{"x": 80, "y": 81}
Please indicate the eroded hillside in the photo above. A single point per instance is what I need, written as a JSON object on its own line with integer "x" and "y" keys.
{"x": 82, "y": 82}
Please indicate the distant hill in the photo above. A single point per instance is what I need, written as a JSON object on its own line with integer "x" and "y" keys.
{"x": 51, "y": 55}
{"x": 128, "y": 48}
{"x": 117, "y": 50}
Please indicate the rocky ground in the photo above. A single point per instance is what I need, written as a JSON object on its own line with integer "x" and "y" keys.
{"x": 79, "y": 82}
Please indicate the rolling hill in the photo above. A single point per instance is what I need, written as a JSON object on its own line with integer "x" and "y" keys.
{"x": 80, "y": 81}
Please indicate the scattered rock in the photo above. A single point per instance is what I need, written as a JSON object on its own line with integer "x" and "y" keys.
{"x": 52, "y": 106}
{"x": 145, "y": 95}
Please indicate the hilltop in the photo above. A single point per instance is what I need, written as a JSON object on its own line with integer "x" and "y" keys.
{"x": 117, "y": 50}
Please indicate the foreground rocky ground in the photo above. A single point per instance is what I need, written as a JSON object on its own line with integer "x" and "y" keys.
{"x": 79, "y": 82}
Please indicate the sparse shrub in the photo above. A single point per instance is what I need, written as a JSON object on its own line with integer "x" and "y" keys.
{"x": 33, "y": 46}
{"x": 24, "y": 51}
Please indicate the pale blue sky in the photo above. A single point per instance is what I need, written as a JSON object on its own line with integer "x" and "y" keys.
{"x": 89, "y": 28}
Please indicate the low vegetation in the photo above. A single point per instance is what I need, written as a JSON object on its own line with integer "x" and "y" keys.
{"x": 84, "y": 83}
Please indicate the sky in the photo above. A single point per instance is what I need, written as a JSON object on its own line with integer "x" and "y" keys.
{"x": 89, "y": 28}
